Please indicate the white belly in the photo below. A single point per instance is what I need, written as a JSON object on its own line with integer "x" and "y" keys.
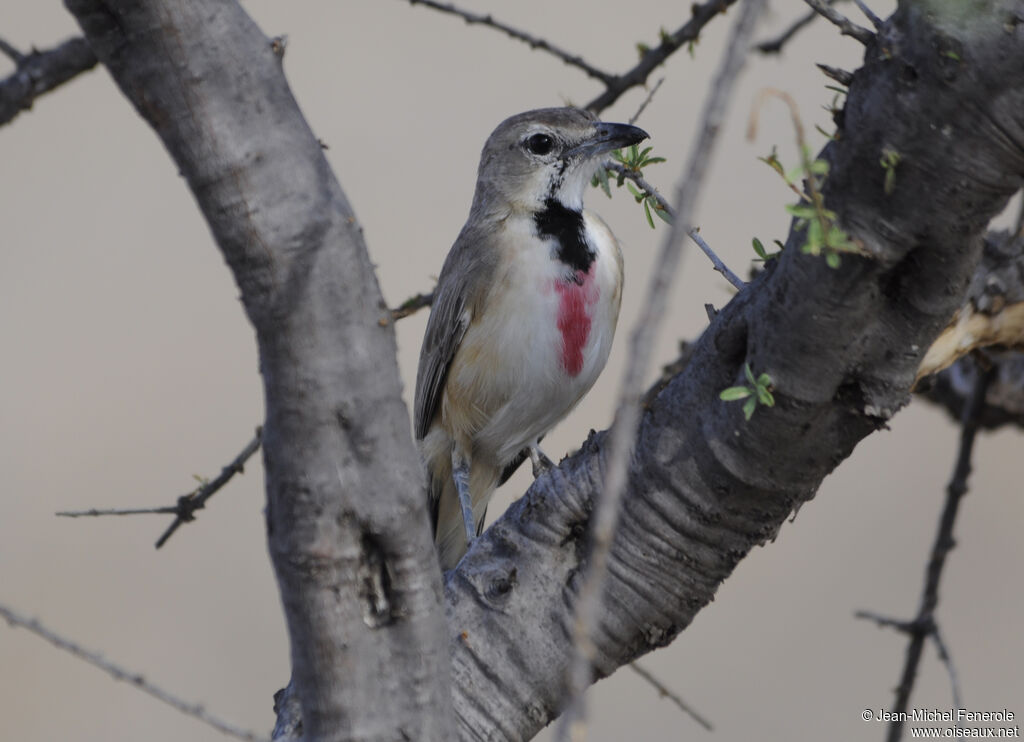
{"x": 540, "y": 346}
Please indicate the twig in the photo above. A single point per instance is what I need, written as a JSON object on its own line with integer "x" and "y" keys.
{"x": 841, "y": 76}
{"x": 845, "y": 25}
{"x": 623, "y": 433}
{"x": 924, "y": 625}
{"x": 665, "y": 692}
{"x": 10, "y": 52}
{"x": 187, "y": 504}
{"x": 98, "y": 512}
{"x": 869, "y": 14}
{"x": 117, "y": 672}
{"x": 947, "y": 660}
{"x": 774, "y": 46}
{"x": 573, "y": 60}
{"x": 736, "y": 281}
{"x": 693, "y": 233}
{"x": 412, "y": 305}
{"x": 650, "y": 96}
{"x": 637, "y": 76}
{"x": 620, "y": 169}
{"x": 41, "y": 72}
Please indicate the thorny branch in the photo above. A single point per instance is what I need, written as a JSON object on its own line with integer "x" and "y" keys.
{"x": 38, "y": 72}
{"x": 187, "y": 504}
{"x": 775, "y": 45}
{"x": 195, "y": 710}
{"x": 924, "y": 625}
{"x": 573, "y": 60}
{"x": 623, "y": 433}
{"x": 636, "y": 77}
{"x": 615, "y": 85}
{"x": 845, "y": 25}
{"x": 666, "y": 692}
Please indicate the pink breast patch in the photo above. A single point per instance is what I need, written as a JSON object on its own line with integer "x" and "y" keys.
{"x": 575, "y": 299}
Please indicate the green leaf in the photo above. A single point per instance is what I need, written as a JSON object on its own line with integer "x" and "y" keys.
{"x": 819, "y": 167}
{"x": 662, "y": 214}
{"x": 814, "y": 235}
{"x": 765, "y": 397}
{"x": 654, "y": 160}
{"x": 647, "y": 210}
{"x": 801, "y": 211}
{"x": 733, "y": 393}
{"x": 759, "y": 249}
{"x": 764, "y": 380}
{"x": 832, "y": 259}
{"x": 749, "y": 406}
{"x": 749, "y": 374}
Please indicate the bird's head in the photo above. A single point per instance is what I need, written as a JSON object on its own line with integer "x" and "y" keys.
{"x": 549, "y": 153}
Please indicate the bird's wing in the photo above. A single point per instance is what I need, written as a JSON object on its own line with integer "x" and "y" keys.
{"x": 464, "y": 278}
{"x": 445, "y": 328}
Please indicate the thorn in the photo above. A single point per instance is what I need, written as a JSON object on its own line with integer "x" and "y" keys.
{"x": 839, "y": 75}
{"x": 278, "y": 45}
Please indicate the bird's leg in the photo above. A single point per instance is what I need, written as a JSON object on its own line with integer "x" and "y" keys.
{"x": 460, "y": 475}
{"x": 541, "y": 463}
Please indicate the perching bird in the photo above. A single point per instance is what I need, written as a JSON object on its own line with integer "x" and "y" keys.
{"x": 523, "y": 314}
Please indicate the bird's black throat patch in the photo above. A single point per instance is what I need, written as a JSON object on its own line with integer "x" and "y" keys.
{"x": 566, "y": 226}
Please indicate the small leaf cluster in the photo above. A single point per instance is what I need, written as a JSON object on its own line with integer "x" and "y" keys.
{"x": 823, "y": 235}
{"x": 635, "y": 160}
{"x": 757, "y": 391}
{"x": 763, "y": 256}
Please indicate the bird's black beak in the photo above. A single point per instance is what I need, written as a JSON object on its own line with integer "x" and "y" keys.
{"x": 606, "y": 138}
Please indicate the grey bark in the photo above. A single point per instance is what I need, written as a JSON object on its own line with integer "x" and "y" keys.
{"x": 346, "y": 520}
{"x": 940, "y": 85}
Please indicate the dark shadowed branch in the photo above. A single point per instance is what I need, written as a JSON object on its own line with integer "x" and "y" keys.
{"x": 924, "y": 625}
{"x": 38, "y": 72}
{"x": 775, "y": 45}
{"x": 185, "y": 508}
{"x": 195, "y": 710}
{"x": 844, "y": 24}
{"x": 701, "y": 15}
{"x": 535, "y": 42}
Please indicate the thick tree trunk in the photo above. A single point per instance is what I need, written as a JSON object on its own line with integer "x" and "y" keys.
{"x": 346, "y": 517}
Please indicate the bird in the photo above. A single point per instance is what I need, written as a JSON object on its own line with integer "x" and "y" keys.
{"x": 523, "y": 315}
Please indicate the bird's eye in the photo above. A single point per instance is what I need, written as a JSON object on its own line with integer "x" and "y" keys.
{"x": 540, "y": 144}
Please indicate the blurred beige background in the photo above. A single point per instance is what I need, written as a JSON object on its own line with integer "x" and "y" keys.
{"x": 128, "y": 367}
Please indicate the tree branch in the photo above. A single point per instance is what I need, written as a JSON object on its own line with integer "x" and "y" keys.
{"x": 924, "y": 624}
{"x": 195, "y": 710}
{"x": 842, "y": 345}
{"x": 775, "y": 45}
{"x": 844, "y": 24}
{"x": 359, "y": 580}
{"x": 40, "y": 72}
{"x": 573, "y": 60}
{"x": 701, "y": 15}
